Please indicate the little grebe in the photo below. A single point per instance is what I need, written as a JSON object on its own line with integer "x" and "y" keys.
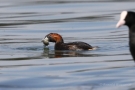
{"x": 60, "y": 45}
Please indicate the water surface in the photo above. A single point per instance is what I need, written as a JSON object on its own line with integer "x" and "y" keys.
{"x": 25, "y": 64}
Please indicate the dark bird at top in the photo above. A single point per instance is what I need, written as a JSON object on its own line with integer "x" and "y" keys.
{"x": 60, "y": 45}
{"x": 128, "y": 18}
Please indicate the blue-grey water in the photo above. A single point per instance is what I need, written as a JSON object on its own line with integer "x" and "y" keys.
{"x": 25, "y": 64}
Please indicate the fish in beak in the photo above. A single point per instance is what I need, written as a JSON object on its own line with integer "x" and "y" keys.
{"x": 45, "y": 41}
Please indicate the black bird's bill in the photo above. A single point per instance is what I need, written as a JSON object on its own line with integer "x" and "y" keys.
{"x": 122, "y": 19}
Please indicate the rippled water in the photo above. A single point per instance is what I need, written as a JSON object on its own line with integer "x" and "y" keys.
{"x": 25, "y": 64}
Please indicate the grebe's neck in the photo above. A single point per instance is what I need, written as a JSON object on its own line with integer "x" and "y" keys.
{"x": 59, "y": 40}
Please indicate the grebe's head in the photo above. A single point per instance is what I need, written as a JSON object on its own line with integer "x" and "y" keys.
{"x": 126, "y": 18}
{"x": 52, "y": 37}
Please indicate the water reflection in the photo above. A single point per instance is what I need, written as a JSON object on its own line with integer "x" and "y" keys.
{"x": 26, "y": 64}
{"x": 59, "y": 54}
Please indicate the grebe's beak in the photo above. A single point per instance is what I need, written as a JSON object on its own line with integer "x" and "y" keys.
{"x": 45, "y": 41}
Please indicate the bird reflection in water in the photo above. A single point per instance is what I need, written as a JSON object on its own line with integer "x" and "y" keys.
{"x": 59, "y": 54}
